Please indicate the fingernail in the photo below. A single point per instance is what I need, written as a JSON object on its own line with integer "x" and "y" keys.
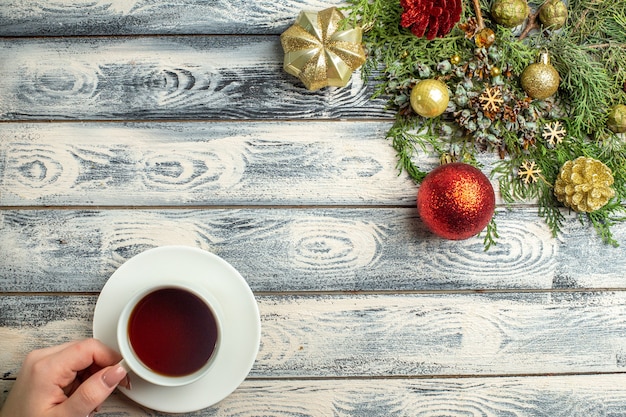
{"x": 126, "y": 382}
{"x": 113, "y": 376}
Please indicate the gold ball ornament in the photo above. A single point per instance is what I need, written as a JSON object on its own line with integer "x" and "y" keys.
{"x": 429, "y": 98}
{"x": 553, "y": 14}
{"x": 320, "y": 54}
{"x": 617, "y": 118}
{"x": 510, "y": 13}
{"x": 540, "y": 80}
{"x": 455, "y": 59}
{"x": 584, "y": 184}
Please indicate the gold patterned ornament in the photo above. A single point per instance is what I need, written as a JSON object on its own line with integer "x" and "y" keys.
{"x": 510, "y": 13}
{"x": 429, "y": 98}
{"x": 584, "y": 184}
{"x": 553, "y": 14}
{"x": 318, "y": 53}
{"x": 540, "y": 80}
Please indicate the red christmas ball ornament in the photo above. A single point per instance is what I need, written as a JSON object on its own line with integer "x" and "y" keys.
{"x": 456, "y": 201}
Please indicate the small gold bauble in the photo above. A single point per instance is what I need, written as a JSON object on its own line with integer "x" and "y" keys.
{"x": 540, "y": 80}
{"x": 510, "y": 13}
{"x": 617, "y": 118}
{"x": 485, "y": 38}
{"x": 429, "y": 98}
{"x": 553, "y": 14}
{"x": 495, "y": 71}
{"x": 584, "y": 184}
{"x": 455, "y": 59}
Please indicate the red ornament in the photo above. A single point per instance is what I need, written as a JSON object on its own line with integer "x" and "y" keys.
{"x": 436, "y": 16}
{"x": 456, "y": 201}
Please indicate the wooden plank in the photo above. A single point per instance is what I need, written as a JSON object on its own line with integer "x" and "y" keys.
{"x": 554, "y": 396}
{"x": 133, "y": 17}
{"x": 177, "y": 77}
{"x": 365, "y": 336}
{"x": 205, "y": 163}
{"x": 311, "y": 249}
{"x": 253, "y": 163}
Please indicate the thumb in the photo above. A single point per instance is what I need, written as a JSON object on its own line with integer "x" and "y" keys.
{"x": 91, "y": 393}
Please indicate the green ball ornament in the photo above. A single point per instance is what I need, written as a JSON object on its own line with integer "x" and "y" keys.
{"x": 429, "y": 98}
{"x": 510, "y": 13}
{"x": 617, "y": 118}
{"x": 553, "y": 14}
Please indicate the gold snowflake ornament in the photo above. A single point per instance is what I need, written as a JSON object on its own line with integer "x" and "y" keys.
{"x": 491, "y": 100}
{"x": 528, "y": 172}
{"x": 554, "y": 133}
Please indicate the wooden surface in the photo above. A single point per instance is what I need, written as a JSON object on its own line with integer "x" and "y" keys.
{"x": 126, "y": 125}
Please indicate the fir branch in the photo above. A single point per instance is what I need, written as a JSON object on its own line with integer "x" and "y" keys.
{"x": 516, "y": 53}
{"x": 589, "y": 55}
{"x": 394, "y": 49}
{"x": 491, "y": 234}
{"x": 593, "y": 20}
{"x": 603, "y": 219}
{"x": 409, "y": 139}
{"x": 585, "y": 83}
{"x": 549, "y": 210}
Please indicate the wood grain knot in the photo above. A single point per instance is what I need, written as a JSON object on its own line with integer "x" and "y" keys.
{"x": 330, "y": 245}
{"x": 39, "y": 171}
{"x": 66, "y": 82}
{"x": 527, "y": 257}
{"x": 215, "y": 165}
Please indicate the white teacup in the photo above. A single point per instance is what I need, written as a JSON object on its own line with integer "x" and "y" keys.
{"x": 170, "y": 335}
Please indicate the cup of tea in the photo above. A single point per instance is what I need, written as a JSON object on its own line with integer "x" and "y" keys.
{"x": 170, "y": 335}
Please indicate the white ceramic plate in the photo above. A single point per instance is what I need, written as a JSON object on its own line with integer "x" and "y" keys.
{"x": 241, "y": 327}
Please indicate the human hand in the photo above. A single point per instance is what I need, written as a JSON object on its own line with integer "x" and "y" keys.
{"x": 69, "y": 380}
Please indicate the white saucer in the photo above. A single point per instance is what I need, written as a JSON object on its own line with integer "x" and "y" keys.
{"x": 241, "y": 328}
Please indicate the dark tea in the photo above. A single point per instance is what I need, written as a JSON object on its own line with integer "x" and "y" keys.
{"x": 172, "y": 331}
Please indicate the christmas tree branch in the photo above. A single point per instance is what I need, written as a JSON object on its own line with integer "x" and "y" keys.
{"x": 589, "y": 54}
